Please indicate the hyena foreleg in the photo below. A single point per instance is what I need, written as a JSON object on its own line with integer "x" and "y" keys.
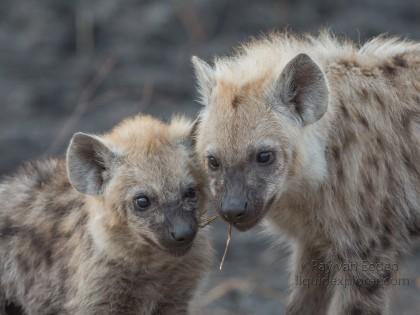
{"x": 361, "y": 292}
{"x": 311, "y": 291}
{"x": 172, "y": 310}
{"x": 176, "y": 303}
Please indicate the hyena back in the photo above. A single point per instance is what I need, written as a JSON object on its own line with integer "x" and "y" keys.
{"x": 321, "y": 138}
{"x": 112, "y": 231}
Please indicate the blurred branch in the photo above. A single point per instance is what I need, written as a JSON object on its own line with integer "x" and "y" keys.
{"x": 147, "y": 95}
{"x": 224, "y": 288}
{"x": 85, "y": 30}
{"x": 187, "y": 13}
{"x": 273, "y": 294}
{"x": 243, "y": 285}
{"x": 83, "y": 103}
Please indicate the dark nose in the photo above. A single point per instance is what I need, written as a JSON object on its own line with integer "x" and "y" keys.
{"x": 183, "y": 233}
{"x": 234, "y": 210}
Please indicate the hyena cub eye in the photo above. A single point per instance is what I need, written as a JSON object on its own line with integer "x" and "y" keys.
{"x": 213, "y": 163}
{"x": 265, "y": 157}
{"x": 142, "y": 202}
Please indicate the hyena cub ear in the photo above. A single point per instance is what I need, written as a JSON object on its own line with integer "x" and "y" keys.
{"x": 193, "y": 132}
{"x": 89, "y": 162}
{"x": 185, "y": 132}
{"x": 302, "y": 89}
{"x": 205, "y": 78}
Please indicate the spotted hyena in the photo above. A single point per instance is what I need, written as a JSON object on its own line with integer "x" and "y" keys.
{"x": 321, "y": 138}
{"x": 111, "y": 230}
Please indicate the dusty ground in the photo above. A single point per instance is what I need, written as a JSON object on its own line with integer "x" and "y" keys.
{"x": 67, "y": 66}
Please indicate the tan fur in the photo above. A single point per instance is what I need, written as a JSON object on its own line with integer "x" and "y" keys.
{"x": 63, "y": 252}
{"x": 346, "y": 189}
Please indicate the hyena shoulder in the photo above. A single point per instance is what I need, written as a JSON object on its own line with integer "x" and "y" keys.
{"x": 38, "y": 189}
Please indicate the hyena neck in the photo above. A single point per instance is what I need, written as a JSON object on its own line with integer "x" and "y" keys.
{"x": 314, "y": 163}
{"x": 309, "y": 161}
{"x": 295, "y": 212}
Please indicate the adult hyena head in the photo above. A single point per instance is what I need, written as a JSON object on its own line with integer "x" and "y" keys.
{"x": 251, "y": 131}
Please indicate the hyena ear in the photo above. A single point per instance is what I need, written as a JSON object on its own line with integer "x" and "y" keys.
{"x": 303, "y": 90}
{"x": 205, "y": 78}
{"x": 193, "y": 132}
{"x": 89, "y": 162}
{"x": 189, "y": 136}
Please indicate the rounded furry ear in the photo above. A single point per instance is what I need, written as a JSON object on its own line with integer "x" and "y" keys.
{"x": 205, "y": 79}
{"x": 193, "y": 132}
{"x": 89, "y": 162}
{"x": 303, "y": 90}
{"x": 189, "y": 138}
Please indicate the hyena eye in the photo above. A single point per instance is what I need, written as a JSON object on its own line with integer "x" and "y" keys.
{"x": 142, "y": 202}
{"x": 190, "y": 193}
{"x": 265, "y": 157}
{"x": 213, "y": 162}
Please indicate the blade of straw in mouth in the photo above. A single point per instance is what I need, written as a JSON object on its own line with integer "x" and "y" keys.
{"x": 208, "y": 221}
{"x": 229, "y": 237}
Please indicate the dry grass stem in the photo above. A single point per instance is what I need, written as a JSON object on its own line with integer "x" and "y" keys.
{"x": 208, "y": 221}
{"x": 229, "y": 237}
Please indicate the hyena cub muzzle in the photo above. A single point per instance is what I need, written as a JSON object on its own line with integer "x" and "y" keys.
{"x": 113, "y": 230}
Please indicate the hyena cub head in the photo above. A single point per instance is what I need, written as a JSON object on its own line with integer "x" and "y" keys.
{"x": 251, "y": 132}
{"x": 143, "y": 188}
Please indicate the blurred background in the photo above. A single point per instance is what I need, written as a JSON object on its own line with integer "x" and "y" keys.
{"x": 69, "y": 66}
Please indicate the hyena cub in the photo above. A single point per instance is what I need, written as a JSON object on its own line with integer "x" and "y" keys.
{"x": 113, "y": 230}
{"x": 322, "y": 138}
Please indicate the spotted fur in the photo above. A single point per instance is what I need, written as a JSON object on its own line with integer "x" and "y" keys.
{"x": 64, "y": 252}
{"x": 345, "y": 186}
